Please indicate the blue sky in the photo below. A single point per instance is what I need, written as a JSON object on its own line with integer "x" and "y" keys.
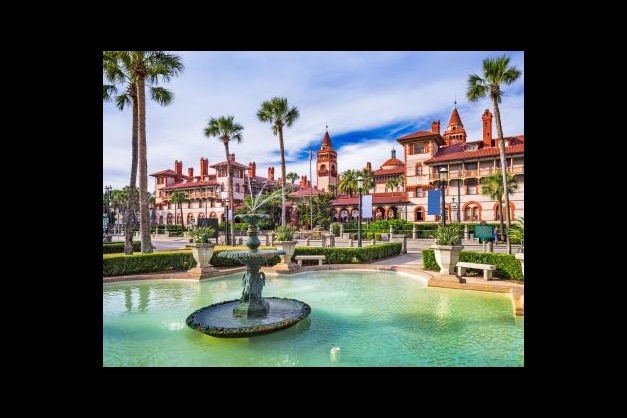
{"x": 367, "y": 100}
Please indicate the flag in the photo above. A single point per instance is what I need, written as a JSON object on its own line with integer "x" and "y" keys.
{"x": 433, "y": 202}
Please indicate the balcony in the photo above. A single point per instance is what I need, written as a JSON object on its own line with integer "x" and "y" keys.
{"x": 481, "y": 172}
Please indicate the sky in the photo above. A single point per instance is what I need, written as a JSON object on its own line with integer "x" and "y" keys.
{"x": 365, "y": 99}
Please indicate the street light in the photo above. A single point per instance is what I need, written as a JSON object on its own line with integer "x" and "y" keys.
{"x": 443, "y": 179}
{"x": 226, "y": 220}
{"x": 108, "y": 227}
{"x": 360, "y": 185}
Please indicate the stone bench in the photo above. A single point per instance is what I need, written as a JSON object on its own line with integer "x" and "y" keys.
{"x": 300, "y": 258}
{"x": 487, "y": 268}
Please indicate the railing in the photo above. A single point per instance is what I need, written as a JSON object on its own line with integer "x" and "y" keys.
{"x": 482, "y": 172}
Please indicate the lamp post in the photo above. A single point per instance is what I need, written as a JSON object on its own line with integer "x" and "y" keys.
{"x": 443, "y": 179}
{"x": 206, "y": 200}
{"x": 360, "y": 185}
{"x": 226, "y": 220}
{"x": 108, "y": 225}
{"x": 459, "y": 201}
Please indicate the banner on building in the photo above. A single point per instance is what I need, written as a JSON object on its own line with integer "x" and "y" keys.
{"x": 433, "y": 202}
{"x": 366, "y": 206}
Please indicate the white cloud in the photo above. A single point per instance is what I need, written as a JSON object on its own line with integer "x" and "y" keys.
{"x": 348, "y": 91}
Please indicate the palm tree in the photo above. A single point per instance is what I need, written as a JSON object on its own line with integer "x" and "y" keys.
{"x": 141, "y": 68}
{"x": 348, "y": 182}
{"x": 225, "y": 128}
{"x": 277, "y": 112}
{"x": 115, "y": 73}
{"x": 493, "y": 186}
{"x": 178, "y": 197}
{"x": 292, "y": 177}
{"x": 495, "y": 72}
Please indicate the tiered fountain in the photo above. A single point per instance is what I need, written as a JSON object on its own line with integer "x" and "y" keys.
{"x": 251, "y": 314}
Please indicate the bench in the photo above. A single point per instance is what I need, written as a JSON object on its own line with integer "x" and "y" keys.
{"x": 487, "y": 268}
{"x": 300, "y": 258}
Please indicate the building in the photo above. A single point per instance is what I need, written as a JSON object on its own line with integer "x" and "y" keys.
{"x": 467, "y": 162}
{"x": 401, "y": 186}
{"x": 206, "y": 193}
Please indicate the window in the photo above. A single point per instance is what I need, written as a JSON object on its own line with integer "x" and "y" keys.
{"x": 470, "y": 166}
{"x": 419, "y": 149}
{"x": 419, "y": 169}
{"x": 420, "y": 214}
{"x": 472, "y": 187}
{"x": 419, "y": 192}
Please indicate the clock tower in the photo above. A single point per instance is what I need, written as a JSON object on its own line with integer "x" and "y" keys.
{"x": 326, "y": 165}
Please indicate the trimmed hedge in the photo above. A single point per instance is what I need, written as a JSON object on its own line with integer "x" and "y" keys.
{"x": 118, "y": 247}
{"x": 180, "y": 260}
{"x": 507, "y": 267}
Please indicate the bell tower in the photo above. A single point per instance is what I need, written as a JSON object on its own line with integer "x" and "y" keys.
{"x": 326, "y": 164}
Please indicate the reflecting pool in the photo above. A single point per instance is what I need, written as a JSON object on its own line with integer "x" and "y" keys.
{"x": 358, "y": 318}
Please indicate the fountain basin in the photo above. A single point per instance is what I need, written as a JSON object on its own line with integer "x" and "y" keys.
{"x": 217, "y": 320}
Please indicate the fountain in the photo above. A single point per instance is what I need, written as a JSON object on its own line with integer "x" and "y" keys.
{"x": 252, "y": 314}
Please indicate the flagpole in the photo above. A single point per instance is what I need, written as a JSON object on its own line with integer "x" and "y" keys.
{"x": 310, "y": 189}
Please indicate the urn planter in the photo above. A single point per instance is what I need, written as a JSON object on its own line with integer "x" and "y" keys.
{"x": 447, "y": 257}
{"x": 286, "y": 264}
{"x": 202, "y": 253}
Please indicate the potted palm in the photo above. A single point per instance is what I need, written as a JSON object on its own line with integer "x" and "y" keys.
{"x": 447, "y": 249}
{"x": 284, "y": 240}
{"x": 202, "y": 251}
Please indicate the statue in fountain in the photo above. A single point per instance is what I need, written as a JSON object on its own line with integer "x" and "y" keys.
{"x": 251, "y": 314}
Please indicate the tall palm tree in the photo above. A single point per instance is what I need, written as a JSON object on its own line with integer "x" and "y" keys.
{"x": 496, "y": 71}
{"x": 178, "y": 197}
{"x": 493, "y": 186}
{"x": 292, "y": 177}
{"x": 348, "y": 182}
{"x": 115, "y": 73}
{"x": 278, "y": 113}
{"x": 225, "y": 128}
{"x": 141, "y": 68}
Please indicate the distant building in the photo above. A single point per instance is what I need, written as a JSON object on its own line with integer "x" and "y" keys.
{"x": 400, "y": 188}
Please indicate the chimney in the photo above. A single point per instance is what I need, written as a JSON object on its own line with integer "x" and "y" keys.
{"x": 487, "y": 129}
{"x": 190, "y": 172}
{"x": 435, "y": 127}
{"x": 303, "y": 181}
{"x": 368, "y": 167}
{"x": 252, "y": 170}
{"x": 232, "y": 157}
{"x": 178, "y": 170}
{"x": 270, "y": 173}
{"x": 204, "y": 167}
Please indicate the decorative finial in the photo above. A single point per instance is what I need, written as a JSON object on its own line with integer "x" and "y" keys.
{"x": 455, "y": 102}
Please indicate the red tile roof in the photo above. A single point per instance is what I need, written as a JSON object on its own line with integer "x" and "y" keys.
{"x": 422, "y": 135}
{"x": 458, "y": 151}
{"x": 377, "y": 199}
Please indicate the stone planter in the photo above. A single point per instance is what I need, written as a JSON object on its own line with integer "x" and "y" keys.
{"x": 202, "y": 253}
{"x": 286, "y": 264}
{"x": 447, "y": 257}
{"x": 521, "y": 257}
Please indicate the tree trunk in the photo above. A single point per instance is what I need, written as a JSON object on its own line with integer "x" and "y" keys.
{"x": 282, "y": 148}
{"x": 132, "y": 189}
{"x": 144, "y": 221}
{"x": 499, "y": 131}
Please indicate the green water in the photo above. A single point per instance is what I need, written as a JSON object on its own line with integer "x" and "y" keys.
{"x": 375, "y": 318}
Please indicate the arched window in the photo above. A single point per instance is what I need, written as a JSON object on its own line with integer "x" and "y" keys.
{"x": 420, "y": 214}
